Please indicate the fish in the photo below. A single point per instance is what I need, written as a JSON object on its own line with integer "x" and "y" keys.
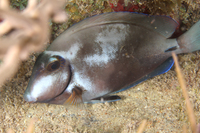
{"x": 105, "y": 54}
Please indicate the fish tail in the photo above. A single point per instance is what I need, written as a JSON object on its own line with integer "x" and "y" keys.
{"x": 190, "y": 40}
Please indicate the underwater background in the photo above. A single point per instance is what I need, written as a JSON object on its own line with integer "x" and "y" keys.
{"x": 159, "y": 100}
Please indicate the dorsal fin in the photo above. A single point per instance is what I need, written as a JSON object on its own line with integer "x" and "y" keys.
{"x": 162, "y": 24}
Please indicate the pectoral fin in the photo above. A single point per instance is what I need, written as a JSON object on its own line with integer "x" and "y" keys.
{"x": 76, "y": 97}
{"x": 107, "y": 98}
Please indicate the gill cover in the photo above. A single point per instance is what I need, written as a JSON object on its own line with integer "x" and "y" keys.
{"x": 50, "y": 76}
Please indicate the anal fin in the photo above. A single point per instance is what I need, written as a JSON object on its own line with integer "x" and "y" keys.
{"x": 163, "y": 68}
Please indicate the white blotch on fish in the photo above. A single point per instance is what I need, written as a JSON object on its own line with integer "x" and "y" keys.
{"x": 107, "y": 51}
{"x": 44, "y": 83}
{"x": 83, "y": 81}
{"x": 70, "y": 54}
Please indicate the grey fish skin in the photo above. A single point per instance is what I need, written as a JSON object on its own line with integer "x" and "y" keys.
{"x": 105, "y": 54}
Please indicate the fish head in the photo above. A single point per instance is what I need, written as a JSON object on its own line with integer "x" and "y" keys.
{"x": 50, "y": 78}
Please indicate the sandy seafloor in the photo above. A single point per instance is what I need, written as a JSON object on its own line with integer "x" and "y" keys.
{"x": 159, "y": 100}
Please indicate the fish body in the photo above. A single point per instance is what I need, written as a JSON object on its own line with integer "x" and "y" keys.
{"x": 105, "y": 54}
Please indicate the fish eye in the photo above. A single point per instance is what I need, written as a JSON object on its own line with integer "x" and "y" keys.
{"x": 53, "y": 65}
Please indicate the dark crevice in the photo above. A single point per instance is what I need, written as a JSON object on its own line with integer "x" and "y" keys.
{"x": 171, "y": 49}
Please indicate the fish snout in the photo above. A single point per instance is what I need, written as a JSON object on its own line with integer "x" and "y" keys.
{"x": 45, "y": 88}
{"x": 49, "y": 79}
{"x": 29, "y": 98}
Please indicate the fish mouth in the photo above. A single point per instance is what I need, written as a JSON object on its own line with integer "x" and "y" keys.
{"x": 29, "y": 98}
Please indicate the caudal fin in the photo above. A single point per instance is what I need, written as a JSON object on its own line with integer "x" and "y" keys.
{"x": 190, "y": 41}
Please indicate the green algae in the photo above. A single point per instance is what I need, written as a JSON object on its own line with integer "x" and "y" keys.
{"x": 18, "y": 4}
